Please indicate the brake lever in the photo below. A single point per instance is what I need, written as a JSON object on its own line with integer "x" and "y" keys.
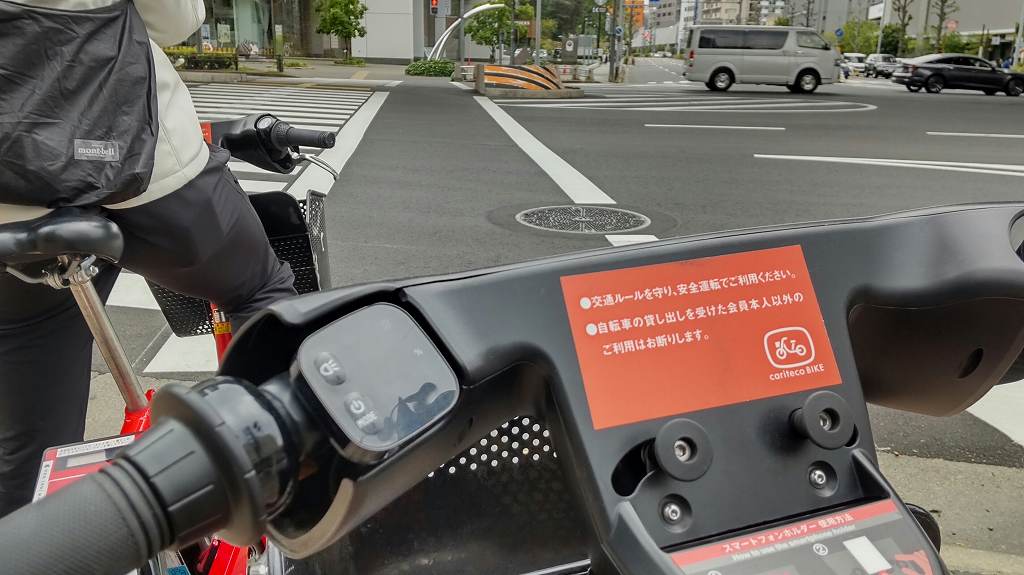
{"x": 316, "y": 161}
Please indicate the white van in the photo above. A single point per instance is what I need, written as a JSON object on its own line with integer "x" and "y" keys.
{"x": 797, "y": 58}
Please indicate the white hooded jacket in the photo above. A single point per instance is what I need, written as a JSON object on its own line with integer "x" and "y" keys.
{"x": 181, "y": 152}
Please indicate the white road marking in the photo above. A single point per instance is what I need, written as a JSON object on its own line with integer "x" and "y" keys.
{"x": 185, "y": 355}
{"x": 348, "y": 140}
{"x": 699, "y": 126}
{"x": 238, "y": 166}
{"x": 575, "y": 185}
{"x": 630, "y": 239}
{"x": 393, "y": 83}
{"x": 131, "y": 290}
{"x": 969, "y": 135}
{"x": 1001, "y": 408}
{"x": 975, "y": 168}
{"x": 256, "y": 186}
{"x": 460, "y": 85}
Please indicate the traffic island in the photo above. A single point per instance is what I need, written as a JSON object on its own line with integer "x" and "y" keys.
{"x": 525, "y": 81}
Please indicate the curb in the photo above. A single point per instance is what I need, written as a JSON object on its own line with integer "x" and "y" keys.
{"x": 533, "y": 94}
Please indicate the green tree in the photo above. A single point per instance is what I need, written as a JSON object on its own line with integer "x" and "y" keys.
{"x": 859, "y": 36}
{"x": 782, "y": 21}
{"x": 891, "y": 39}
{"x": 901, "y": 11}
{"x": 943, "y": 10}
{"x": 954, "y": 42}
{"x": 491, "y": 27}
{"x": 341, "y": 18}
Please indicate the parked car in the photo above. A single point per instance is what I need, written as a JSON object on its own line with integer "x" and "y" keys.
{"x": 937, "y": 72}
{"x": 856, "y": 61}
{"x": 880, "y": 65}
{"x": 798, "y": 58}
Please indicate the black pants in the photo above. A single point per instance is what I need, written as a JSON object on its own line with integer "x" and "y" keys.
{"x": 203, "y": 240}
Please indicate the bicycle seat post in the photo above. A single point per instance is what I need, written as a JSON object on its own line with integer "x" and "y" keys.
{"x": 106, "y": 338}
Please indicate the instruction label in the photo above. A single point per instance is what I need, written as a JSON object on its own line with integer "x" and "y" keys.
{"x": 667, "y": 339}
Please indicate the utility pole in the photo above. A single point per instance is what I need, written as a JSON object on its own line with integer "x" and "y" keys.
{"x": 1019, "y": 44}
{"x": 613, "y": 44}
{"x": 679, "y": 27}
{"x": 881, "y": 29}
{"x": 462, "y": 32}
{"x": 536, "y": 36}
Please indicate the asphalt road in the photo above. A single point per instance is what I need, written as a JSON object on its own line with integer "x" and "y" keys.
{"x": 435, "y": 182}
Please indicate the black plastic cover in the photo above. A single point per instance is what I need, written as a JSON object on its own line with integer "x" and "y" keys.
{"x": 379, "y": 379}
{"x": 82, "y": 132}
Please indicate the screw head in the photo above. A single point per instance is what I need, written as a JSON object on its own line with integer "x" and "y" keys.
{"x": 671, "y": 512}
{"x": 825, "y": 421}
{"x": 683, "y": 450}
{"x": 818, "y": 478}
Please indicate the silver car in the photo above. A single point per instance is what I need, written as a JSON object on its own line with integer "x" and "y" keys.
{"x": 798, "y": 58}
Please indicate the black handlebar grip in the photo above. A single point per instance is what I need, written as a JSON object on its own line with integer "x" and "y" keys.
{"x": 284, "y": 135}
{"x": 107, "y": 522}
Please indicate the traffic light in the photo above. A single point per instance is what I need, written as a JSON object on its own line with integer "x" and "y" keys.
{"x": 433, "y": 6}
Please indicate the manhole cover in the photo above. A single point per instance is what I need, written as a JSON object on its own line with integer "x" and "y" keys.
{"x": 583, "y": 219}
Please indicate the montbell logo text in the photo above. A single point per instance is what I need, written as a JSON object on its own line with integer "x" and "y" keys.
{"x": 96, "y": 150}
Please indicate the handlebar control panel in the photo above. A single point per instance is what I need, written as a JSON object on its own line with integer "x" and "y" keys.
{"x": 377, "y": 379}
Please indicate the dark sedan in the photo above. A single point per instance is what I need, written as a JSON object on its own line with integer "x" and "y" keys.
{"x": 937, "y": 72}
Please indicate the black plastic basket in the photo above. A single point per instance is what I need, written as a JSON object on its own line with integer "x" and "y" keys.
{"x": 297, "y": 230}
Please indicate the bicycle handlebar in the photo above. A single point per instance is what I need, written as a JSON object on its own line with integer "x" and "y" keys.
{"x": 283, "y": 135}
{"x": 108, "y": 522}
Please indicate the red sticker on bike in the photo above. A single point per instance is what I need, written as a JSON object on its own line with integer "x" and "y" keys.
{"x": 673, "y": 338}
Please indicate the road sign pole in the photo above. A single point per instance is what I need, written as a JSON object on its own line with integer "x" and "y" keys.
{"x": 462, "y": 32}
{"x": 881, "y": 29}
{"x": 536, "y": 36}
{"x": 1020, "y": 36}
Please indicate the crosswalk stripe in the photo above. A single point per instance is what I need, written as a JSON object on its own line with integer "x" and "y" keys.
{"x": 294, "y": 113}
{"x": 256, "y": 186}
{"x": 273, "y": 104}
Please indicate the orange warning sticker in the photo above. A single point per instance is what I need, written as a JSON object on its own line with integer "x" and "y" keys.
{"x": 672, "y": 338}
{"x": 207, "y": 131}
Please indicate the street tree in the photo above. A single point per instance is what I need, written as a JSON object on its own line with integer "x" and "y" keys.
{"x": 860, "y": 36}
{"x": 901, "y": 11}
{"x": 891, "y": 39}
{"x": 782, "y": 21}
{"x": 491, "y": 27}
{"x": 944, "y": 9}
{"x": 341, "y": 18}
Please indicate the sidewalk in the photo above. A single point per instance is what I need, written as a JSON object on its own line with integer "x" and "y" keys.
{"x": 324, "y": 72}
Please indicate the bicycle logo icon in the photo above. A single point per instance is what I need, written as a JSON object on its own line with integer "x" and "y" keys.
{"x": 789, "y": 347}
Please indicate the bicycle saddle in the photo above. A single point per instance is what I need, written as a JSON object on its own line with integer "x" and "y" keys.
{"x": 61, "y": 232}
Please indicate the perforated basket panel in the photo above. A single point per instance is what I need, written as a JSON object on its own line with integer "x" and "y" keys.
{"x": 189, "y": 316}
{"x": 502, "y": 507}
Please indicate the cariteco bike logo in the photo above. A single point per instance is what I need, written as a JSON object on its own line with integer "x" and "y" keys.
{"x": 791, "y": 350}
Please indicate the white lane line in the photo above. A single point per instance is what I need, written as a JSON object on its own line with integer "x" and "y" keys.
{"x": 575, "y": 185}
{"x": 994, "y": 169}
{"x": 969, "y": 135}
{"x": 131, "y": 290}
{"x": 259, "y": 186}
{"x": 630, "y": 239}
{"x": 1001, "y": 408}
{"x": 698, "y": 126}
{"x": 184, "y": 354}
{"x": 460, "y": 85}
{"x": 348, "y": 140}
